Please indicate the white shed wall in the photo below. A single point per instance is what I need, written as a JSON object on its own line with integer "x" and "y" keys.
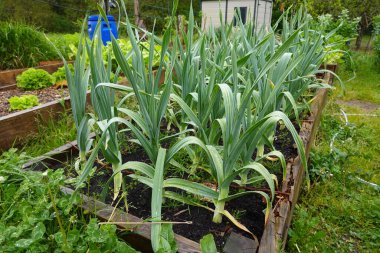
{"x": 211, "y": 9}
{"x": 264, "y": 14}
{"x": 210, "y": 12}
{"x": 242, "y": 3}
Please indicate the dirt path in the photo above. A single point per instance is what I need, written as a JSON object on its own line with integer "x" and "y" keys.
{"x": 367, "y": 106}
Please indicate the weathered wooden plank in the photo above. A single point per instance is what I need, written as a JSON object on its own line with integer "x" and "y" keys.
{"x": 268, "y": 239}
{"x": 238, "y": 243}
{"x": 276, "y": 230}
{"x": 16, "y": 126}
{"x": 8, "y": 87}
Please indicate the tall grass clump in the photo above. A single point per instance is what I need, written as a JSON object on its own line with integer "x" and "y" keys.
{"x": 66, "y": 43}
{"x": 23, "y": 46}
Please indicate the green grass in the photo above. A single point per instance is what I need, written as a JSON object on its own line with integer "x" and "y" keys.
{"x": 23, "y": 46}
{"x": 50, "y": 135}
{"x": 363, "y": 46}
{"x": 366, "y": 85}
{"x": 339, "y": 213}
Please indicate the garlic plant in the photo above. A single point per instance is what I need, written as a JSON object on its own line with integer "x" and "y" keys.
{"x": 78, "y": 83}
{"x": 225, "y": 90}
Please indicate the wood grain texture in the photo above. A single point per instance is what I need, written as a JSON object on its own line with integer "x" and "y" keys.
{"x": 239, "y": 243}
{"x": 276, "y": 230}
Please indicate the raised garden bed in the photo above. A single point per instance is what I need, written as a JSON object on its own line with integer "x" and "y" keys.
{"x": 16, "y": 126}
{"x": 46, "y": 95}
{"x": 8, "y": 77}
{"x": 274, "y": 232}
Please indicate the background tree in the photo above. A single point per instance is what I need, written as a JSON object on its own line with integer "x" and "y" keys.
{"x": 365, "y": 9}
{"x": 67, "y": 15}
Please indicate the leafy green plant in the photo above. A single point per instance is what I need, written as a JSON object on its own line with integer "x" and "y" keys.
{"x": 60, "y": 74}
{"x": 34, "y": 79}
{"x": 208, "y": 244}
{"x": 67, "y": 44}
{"x": 22, "y": 102}
{"x": 35, "y": 216}
{"x": 344, "y": 25}
{"x": 23, "y": 46}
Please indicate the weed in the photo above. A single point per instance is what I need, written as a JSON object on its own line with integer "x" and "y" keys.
{"x": 51, "y": 134}
{"x": 238, "y": 214}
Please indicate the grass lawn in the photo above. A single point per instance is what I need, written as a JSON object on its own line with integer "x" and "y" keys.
{"x": 339, "y": 213}
{"x": 366, "y": 85}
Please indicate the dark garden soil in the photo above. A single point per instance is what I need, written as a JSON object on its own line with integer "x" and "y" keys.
{"x": 247, "y": 209}
{"x": 44, "y": 96}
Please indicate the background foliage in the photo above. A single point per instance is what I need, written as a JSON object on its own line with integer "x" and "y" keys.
{"x": 365, "y": 9}
{"x": 22, "y": 46}
{"x": 67, "y": 15}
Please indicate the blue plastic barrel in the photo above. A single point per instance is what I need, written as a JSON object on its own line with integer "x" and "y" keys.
{"x": 104, "y": 29}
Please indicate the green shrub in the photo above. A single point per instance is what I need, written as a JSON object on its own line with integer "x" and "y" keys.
{"x": 60, "y": 74}
{"x": 22, "y": 46}
{"x": 66, "y": 43}
{"x": 34, "y": 79}
{"x": 23, "y": 102}
{"x": 346, "y": 26}
{"x": 346, "y": 29}
{"x": 376, "y": 45}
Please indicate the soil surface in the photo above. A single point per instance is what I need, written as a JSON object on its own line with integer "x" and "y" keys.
{"x": 44, "y": 95}
{"x": 248, "y": 210}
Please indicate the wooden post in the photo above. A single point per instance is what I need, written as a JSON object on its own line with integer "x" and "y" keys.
{"x": 137, "y": 13}
{"x": 106, "y": 6}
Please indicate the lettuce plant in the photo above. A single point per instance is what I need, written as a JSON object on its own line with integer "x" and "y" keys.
{"x": 23, "y": 102}
{"x": 34, "y": 79}
{"x": 60, "y": 74}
